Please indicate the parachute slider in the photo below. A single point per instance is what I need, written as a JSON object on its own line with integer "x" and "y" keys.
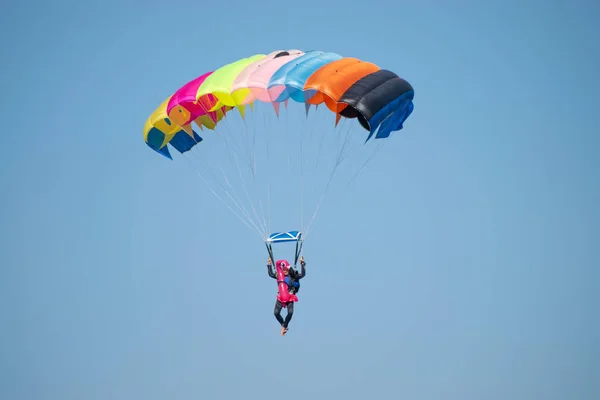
{"x": 282, "y": 237}
{"x": 285, "y": 237}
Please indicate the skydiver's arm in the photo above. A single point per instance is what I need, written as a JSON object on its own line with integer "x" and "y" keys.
{"x": 303, "y": 273}
{"x": 271, "y": 272}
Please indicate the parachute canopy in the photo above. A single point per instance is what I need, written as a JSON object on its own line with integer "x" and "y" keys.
{"x": 350, "y": 88}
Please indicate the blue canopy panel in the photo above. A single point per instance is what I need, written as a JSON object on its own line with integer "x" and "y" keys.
{"x": 282, "y": 237}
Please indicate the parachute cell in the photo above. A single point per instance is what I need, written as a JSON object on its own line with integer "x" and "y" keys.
{"x": 220, "y": 84}
{"x": 184, "y": 107}
{"x": 159, "y": 131}
{"x": 380, "y": 92}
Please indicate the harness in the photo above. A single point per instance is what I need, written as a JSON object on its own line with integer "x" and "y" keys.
{"x": 293, "y": 284}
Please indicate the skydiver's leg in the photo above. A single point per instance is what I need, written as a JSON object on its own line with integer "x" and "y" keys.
{"x": 277, "y": 312}
{"x": 290, "y": 313}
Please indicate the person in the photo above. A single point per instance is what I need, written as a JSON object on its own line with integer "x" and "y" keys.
{"x": 290, "y": 286}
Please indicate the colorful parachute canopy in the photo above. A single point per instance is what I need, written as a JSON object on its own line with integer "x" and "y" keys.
{"x": 350, "y": 88}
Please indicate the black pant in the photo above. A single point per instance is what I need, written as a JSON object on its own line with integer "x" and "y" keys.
{"x": 288, "y": 317}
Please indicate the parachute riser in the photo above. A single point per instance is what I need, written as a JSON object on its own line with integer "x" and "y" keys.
{"x": 270, "y": 251}
{"x": 298, "y": 251}
{"x": 296, "y": 257}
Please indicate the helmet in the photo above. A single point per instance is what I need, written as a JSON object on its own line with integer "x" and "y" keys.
{"x": 283, "y": 264}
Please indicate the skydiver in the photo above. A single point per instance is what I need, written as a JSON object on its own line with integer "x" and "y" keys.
{"x": 292, "y": 281}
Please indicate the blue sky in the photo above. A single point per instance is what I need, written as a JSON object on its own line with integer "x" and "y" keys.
{"x": 460, "y": 265}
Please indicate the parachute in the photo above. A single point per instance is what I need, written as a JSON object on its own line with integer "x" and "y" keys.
{"x": 256, "y": 156}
